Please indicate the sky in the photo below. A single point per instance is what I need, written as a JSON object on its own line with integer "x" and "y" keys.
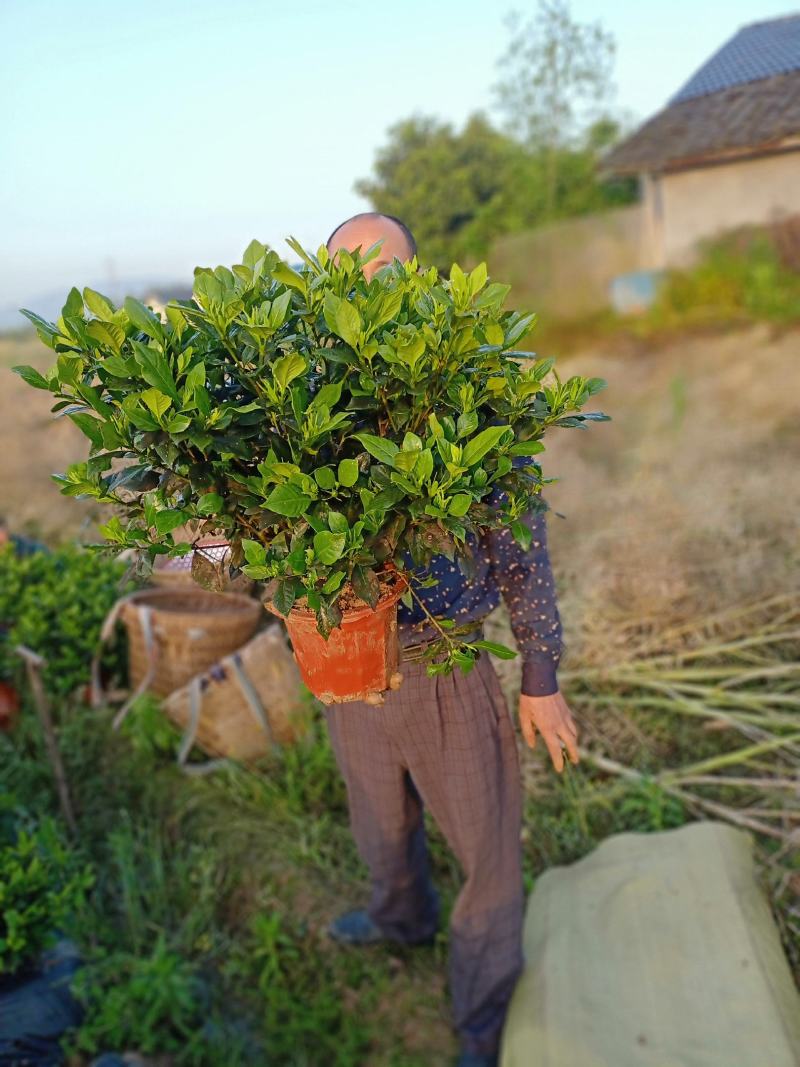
{"x": 138, "y": 140}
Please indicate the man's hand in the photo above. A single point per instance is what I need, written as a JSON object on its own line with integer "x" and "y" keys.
{"x": 552, "y": 717}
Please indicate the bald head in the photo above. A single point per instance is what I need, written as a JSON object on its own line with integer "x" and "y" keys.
{"x": 367, "y": 228}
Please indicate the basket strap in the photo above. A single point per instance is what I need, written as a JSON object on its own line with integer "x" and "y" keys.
{"x": 145, "y": 613}
{"x": 106, "y": 630}
{"x": 195, "y": 699}
{"x": 250, "y": 693}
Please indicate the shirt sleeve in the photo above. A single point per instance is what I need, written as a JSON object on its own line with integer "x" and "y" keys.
{"x": 525, "y": 580}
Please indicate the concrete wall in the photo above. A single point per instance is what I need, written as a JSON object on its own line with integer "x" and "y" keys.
{"x": 564, "y": 269}
{"x": 686, "y": 206}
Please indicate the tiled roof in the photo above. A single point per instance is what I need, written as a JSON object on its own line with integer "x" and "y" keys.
{"x": 756, "y": 51}
{"x": 746, "y": 98}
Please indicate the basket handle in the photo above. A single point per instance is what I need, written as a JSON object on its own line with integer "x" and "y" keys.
{"x": 195, "y": 699}
{"x": 145, "y": 613}
{"x": 250, "y": 694}
{"x": 106, "y": 630}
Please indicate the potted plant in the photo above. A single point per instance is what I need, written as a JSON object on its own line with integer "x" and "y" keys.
{"x": 336, "y": 432}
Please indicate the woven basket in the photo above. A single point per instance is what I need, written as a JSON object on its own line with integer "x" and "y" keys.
{"x": 174, "y": 633}
{"x": 209, "y": 561}
{"x": 248, "y": 703}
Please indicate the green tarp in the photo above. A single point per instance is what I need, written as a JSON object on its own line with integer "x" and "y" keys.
{"x": 655, "y": 950}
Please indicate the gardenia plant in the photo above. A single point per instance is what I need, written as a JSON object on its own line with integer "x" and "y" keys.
{"x": 326, "y": 425}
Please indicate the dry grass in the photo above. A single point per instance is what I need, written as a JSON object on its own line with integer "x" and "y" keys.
{"x": 31, "y": 449}
{"x": 687, "y": 501}
{"x": 677, "y": 570}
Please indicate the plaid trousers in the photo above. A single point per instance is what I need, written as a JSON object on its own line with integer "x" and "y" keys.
{"x": 448, "y": 743}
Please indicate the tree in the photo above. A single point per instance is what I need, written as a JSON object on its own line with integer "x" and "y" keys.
{"x": 458, "y": 191}
{"x": 557, "y": 80}
{"x": 455, "y": 189}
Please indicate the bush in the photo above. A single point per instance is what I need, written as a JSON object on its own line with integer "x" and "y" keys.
{"x": 751, "y": 272}
{"x": 41, "y": 886}
{"x": 55, "y": 603}
{"x": 153, "y": 1003}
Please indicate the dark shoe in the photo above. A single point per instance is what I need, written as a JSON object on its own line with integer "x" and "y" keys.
{"x": 474, "y": 1059}
{"x": 356, "y": 928}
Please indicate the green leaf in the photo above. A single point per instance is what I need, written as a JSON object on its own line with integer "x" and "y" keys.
{"x": 195, "y": 377}
{"x": 328, "y": 546}
{"x": 31, "y": 376}
{"x": 467, "y": 423}
{"x": 406, "y": 461}
{"x": 113, "y": 531}
{"x": 118, "y": 366}
{"x": 365, "y": 585}
{"x": 334, "y": 582}
{"x": 143, "y": 318}
{"x": 477, "y": 279}
{"x": 493, "y": 294}
{"x": 155, "y": 369}
{"x": 287, "y": 368}
{"x": 287, "y": 500}
{"x": 463, "y": 660}
{"x": 348, "y": 473}
{"x": 253, "y": 253}
{"x": 254, "y": 551}
{"x": 175, "y": 423}
{"x": 284, "y": 597}
{"x": 459, "y": 504}
{"x": 328, "y": 395}
{"x": 338, "y": 522}
{"x": 522, "y": 534}
{"x": 284, "y": 274}
{"x": 73, "y": 307}
{"x": 501, "y": 651}
{"x": 156, "y": 401}
{"x": 98, "y": 304}
{"x": 325, "y": 478}
{"x": 343, "y": 319}
{"x": 106, "y": 333}
{"x": 210, "y": 504}
{"x": 378, "y": 447}
{"x": 167, "y": 521}
{"x": 88, "y": 425}
{"x": 494, "y": 333}
{"x": 477, "y": 447}
{"x": 526, "y": 448}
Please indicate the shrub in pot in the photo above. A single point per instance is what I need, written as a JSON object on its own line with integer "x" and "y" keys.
{"x": 338, "y": 432}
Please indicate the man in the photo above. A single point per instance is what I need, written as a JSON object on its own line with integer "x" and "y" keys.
{"x": 447, "y": 743}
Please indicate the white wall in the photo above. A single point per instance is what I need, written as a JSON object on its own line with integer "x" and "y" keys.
{"x": 685, "y": 206}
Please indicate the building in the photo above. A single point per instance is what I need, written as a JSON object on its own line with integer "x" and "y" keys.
{"x": 725, "y": 151}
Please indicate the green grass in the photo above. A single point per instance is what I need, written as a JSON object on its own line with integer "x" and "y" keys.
{"x": 204, "y": 934}
{"x": 749, "y": 275}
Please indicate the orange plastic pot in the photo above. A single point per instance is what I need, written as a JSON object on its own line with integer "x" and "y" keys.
{"x": 359, "y": 659}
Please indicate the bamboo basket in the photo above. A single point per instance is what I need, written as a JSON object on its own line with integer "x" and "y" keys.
{"x": 247, "y": 704}
{"x": 174, "y": 634}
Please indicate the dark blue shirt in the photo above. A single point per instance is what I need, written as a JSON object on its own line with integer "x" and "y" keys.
{"x": 524, "y": 579}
